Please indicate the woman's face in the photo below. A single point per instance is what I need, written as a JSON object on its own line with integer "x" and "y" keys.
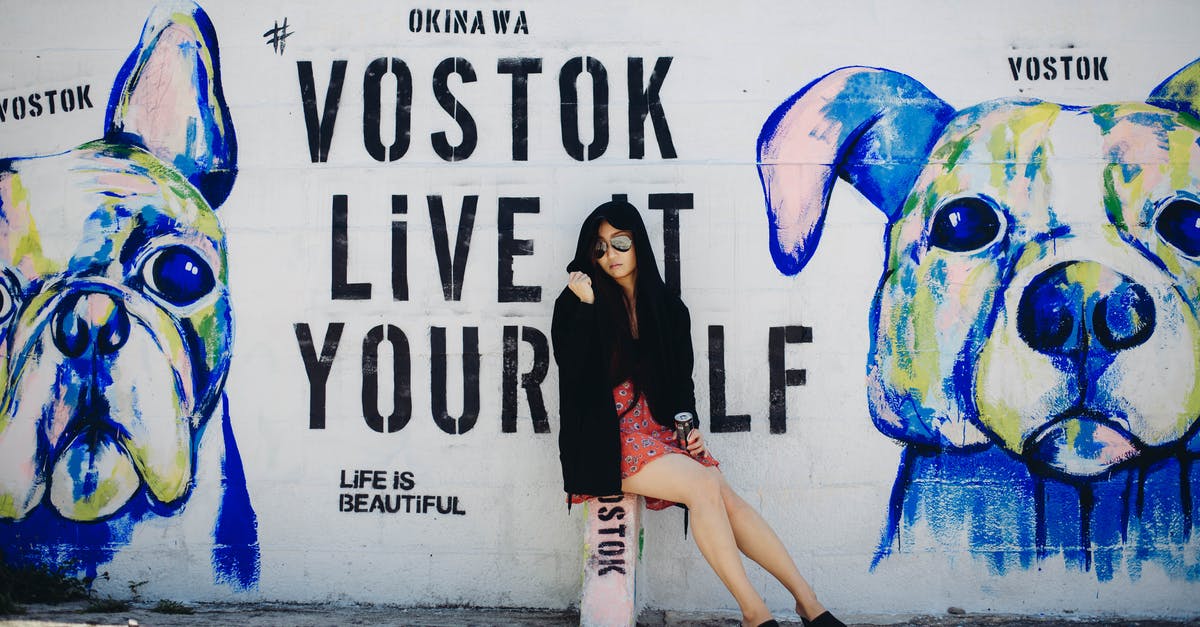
{"x": 620, "y": 265}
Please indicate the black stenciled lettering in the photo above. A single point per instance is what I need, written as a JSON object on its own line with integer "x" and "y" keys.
{"x": 520, "y": 69}
{"x": 373, "y": 109}
{"x": 1033, "y": 68}
{"x": 401, "y": 379}
{"x": 466, "y": 123}
{"x": 1066, "y": 61}
{"x": 508, "y": 247}
{"x": 363, "y": 478}
{"x": 339, "y": 287}
{"x": 718, "y": 420}
{"x": 508, "y": 400}
{"x": 470, "y": 366}
{"x": 452, "y": 269}
{"x": 530, "y": 381}
{"x": 66, "y": 100}
{"x": 399, "y": 248}
{"x": 1049, "y": 67}
{"x": 608, "y": 513}
{"x": 569, "y": 108}
{"x": 1014, "y": 64}
{"x": 49, "y": 94}
{"x": 317, "y": 368}
{"x": 320, "y": 126}
{"x": 643, "y": 102}
{"x": 500, "y": 20}
{"x": 619, "y": 530}
{"x": 782, "y": 377}
{"x": 671, "y": 205}
{"x": 610, "y": 548}
{"x": 35, "y": 105}
{"x": 85, "y": 96}
{"x": 18, "y": 108}
{"x": 3, "y": 109}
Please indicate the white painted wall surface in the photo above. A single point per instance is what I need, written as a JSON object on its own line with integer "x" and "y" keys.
{"x": 823, "y": 484}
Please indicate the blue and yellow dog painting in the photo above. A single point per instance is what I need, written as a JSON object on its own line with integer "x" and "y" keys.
{"x": 1035, "y": 339}
{"x": 116, "y": 326}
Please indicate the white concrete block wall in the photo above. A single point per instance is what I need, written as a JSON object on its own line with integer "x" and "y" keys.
{"x": 824, "y": 482}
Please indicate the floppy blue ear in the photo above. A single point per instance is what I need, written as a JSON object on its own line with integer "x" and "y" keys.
{"x": 1180, "y": 92}
{"x": 167, "y": 98}
{"x": 870, "y": 126}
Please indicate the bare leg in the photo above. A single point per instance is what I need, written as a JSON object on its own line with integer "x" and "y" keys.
{"x": 684, "y": 480}
{"x": 759, "y": 542}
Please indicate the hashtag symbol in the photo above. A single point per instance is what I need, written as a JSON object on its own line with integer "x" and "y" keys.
{"x": 278, "y": 36}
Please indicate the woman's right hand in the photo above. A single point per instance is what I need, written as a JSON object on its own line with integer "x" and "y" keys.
{"x": 581, "y": 284}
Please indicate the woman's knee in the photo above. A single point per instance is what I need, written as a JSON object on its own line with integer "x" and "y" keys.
{"x": 708, "y": 488}
{"x": 734, "y": 503}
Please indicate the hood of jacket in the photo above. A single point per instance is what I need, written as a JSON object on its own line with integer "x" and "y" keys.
{"x": 625, "y": 217}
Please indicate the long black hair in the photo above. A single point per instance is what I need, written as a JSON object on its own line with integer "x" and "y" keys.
{"x": 642, "y": 362}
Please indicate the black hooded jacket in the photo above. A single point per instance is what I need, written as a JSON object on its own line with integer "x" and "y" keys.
{"x": 589, "y": 436}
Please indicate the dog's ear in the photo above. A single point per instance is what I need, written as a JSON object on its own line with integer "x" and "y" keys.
{"x": 167, "y": 99}
{"x": 872, "y": 127}
{"x": 1180, "y": 92}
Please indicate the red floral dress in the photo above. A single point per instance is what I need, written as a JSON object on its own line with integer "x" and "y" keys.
{"x": 643, "y": 440}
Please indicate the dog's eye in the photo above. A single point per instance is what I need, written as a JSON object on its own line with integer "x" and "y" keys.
{"x": 179, "y": 275}
{"x": 964, "y": 224}
{"x": 1179, "y": 224}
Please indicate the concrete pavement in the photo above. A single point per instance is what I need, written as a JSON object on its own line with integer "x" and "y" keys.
{"x": 313, "y": 615}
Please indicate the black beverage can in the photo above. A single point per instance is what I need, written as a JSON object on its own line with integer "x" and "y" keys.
{"x": 683, "y": 427}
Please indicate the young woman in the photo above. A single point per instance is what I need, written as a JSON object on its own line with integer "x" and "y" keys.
{"x": 623, "y": 346}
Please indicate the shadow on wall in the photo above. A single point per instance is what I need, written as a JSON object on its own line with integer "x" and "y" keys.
{"x": 116, "y": 334}
{"x": 1034, "y": 335}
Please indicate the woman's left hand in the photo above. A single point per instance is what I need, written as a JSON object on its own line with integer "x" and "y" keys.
{"x": 695, "y": 444}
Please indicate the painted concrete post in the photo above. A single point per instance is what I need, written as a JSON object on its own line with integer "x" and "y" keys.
{"x": 612, "y": 550}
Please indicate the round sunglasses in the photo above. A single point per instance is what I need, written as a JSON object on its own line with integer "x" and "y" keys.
{"x": 623, "y": 243}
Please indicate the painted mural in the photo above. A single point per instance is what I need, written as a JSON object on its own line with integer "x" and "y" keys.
{"x": 117, "y": 324}
{"x": 387, "y": 230}
{"x": 1034, "y": 336}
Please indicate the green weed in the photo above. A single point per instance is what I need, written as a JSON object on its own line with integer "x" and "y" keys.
{"x": 107, "y": 606}
{"x": 37, "y": 584}
{"x": 172, "y": 607}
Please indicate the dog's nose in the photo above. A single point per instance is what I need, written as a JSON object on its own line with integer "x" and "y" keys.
{"x": 1077, "y": 307}
{"x": 90, "y": 321}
